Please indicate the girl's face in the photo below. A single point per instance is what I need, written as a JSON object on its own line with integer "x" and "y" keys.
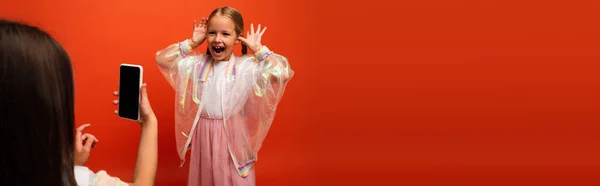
{"x": 221, "y": 37}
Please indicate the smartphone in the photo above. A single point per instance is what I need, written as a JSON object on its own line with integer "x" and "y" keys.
{"x": 130, "y": 82}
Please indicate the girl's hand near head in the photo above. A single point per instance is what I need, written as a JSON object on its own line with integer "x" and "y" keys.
{"x": 199, "y": 34}
{"x": 253, "y": 38}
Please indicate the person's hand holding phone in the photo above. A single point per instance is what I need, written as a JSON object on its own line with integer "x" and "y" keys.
{"x": 147, "y": 159}
{"x": 146, "y": 112}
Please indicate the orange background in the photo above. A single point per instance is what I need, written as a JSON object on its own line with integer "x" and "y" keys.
{"x": 427, "y": 92}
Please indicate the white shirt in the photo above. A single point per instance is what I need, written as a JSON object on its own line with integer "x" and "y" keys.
{"x": 84, "y": 177}
{"x": 212, "y": 100}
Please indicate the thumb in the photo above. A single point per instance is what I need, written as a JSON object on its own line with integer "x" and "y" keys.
{"x": 242, "y": 39}
{"x": 145, "y": 107}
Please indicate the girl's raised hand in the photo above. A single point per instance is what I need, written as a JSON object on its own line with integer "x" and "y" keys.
{"x": 199, "y": 34}
{"x": 253, "y": 38}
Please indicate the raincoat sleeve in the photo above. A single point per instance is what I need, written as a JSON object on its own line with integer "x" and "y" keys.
{"x": 179, "y": 65}
{"x": 177, "y": 58}
{"x": 267, "y": 79}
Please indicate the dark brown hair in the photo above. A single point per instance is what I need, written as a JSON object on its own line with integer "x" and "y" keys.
{"x": 36, "y": 108}
{"x": 237, "y": 19}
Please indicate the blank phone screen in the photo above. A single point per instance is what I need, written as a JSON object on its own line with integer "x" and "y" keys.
{"x": 129, "y": 92}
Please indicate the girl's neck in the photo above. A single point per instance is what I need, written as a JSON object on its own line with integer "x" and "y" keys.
{"x": 228, "y": 58}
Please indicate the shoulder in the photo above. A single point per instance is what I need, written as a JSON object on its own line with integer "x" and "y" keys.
{"x": 193, "y": 58}
{"x": 245, "y": 60}
{"x": 197, "y": 56}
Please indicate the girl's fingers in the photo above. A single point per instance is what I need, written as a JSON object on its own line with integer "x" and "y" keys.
{"x": 263, "y": 31}
{"x": 242, "y": 39}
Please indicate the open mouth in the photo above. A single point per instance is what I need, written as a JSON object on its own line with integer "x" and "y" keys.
{"x": 218, "y": 49}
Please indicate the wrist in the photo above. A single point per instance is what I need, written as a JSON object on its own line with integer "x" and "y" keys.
{"x": 185, "y": 47}
{"x": 256, "y": 48}
{"x": 193, "y": 44}
{"x": 149, "y": 122}
{"x": 79, "y": 162}
{"x": 262, "y": 53}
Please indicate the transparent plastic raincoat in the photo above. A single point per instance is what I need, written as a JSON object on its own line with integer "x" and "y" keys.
{"x": 249, "y": 94}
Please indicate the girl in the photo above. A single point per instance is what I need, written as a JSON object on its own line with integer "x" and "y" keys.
{"x": 225, "y": 104}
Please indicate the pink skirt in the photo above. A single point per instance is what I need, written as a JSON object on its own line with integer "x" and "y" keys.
{"x": 210, "y": 161}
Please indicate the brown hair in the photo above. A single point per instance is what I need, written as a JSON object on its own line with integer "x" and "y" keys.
{"x": 237, "y": 19}
{"x": 36, "y": 108}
